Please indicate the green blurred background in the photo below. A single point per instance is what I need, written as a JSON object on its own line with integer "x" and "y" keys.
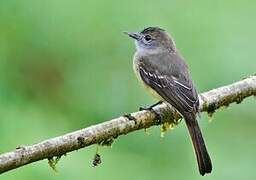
{"x": 65, "y": 65}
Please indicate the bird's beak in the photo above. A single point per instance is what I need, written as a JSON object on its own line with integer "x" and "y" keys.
{"x": 133, "y": 35}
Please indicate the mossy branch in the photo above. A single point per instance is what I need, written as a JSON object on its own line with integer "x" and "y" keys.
{"x": 105, "y": 132}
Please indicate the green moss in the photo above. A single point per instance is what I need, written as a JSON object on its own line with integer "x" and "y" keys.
{"x": 53, "y": 162}
{"x": 168, "y": 125}
{"x": 146, "y": 131}
{"x": 164, "y": 127}
{"x": 107, "y": 142}
{"x": 211, "y": 109}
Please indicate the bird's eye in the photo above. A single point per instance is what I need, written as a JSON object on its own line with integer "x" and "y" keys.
{"x": 148, "y": 37}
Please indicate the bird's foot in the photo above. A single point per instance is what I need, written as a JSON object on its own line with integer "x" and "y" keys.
{"x": 159, "y": 117}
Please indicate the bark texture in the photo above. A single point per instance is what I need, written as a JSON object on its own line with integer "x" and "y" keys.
{"x": 105, "y": 132}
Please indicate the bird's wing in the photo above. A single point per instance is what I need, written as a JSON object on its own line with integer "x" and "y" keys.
{"x": 180, "y": 93}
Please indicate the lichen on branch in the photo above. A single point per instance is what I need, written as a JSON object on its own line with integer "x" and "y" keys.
{"x": 105, "y": 133}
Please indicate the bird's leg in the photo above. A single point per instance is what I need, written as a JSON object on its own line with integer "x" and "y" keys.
{"x": 149, "y": 108}
{"x": 159, "y": 117}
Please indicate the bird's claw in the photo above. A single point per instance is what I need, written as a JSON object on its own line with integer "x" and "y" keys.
{"x": 148, "y": 108}
{"x": 158, "y": 116}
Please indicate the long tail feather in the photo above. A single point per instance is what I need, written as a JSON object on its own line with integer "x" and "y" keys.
{"x": 203, "y": 158}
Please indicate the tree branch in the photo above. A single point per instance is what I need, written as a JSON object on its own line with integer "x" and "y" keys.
{"x": 105, "y": 132}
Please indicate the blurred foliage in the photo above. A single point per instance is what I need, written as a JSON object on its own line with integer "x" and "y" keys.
{"x": 65, "y": 65}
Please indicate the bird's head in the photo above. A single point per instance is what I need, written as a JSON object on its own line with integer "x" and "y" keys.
{"x": 152, "y": 39}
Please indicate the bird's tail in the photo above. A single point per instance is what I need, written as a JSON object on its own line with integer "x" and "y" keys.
{"x": 203, "y": 158}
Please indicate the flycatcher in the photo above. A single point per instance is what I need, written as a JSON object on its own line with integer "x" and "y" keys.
{"x": 162, "y": 70}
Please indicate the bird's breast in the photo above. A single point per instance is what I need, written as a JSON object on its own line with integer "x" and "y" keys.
{"x": 136, "y": 68}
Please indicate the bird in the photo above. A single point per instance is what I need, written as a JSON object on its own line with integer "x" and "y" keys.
{"x": 161, "y": 68}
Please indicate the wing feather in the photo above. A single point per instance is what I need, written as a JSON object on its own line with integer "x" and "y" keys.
{"x": 180, "y": 94}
